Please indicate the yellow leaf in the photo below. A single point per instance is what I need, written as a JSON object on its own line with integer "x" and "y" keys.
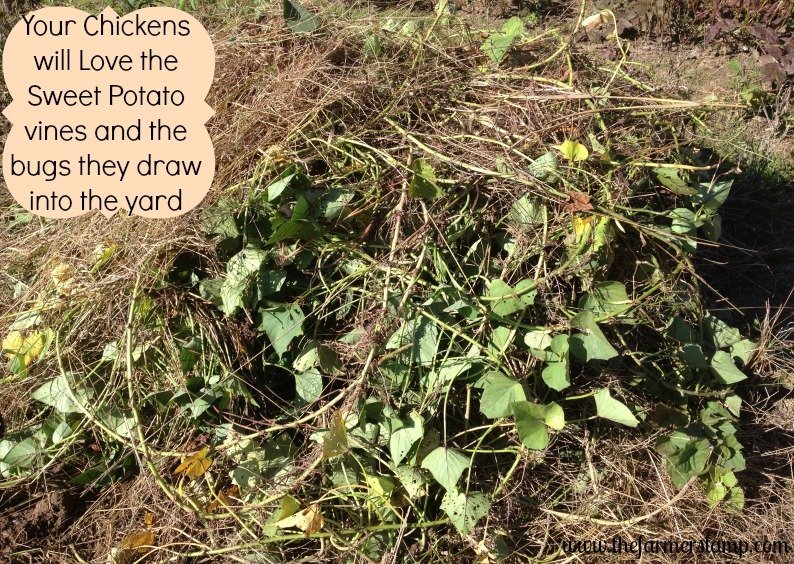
{"x": 582, "y": 226}
{"x": 138, "y": 540}
{"x": 195, "y": 465}
{"x": 29, "y": 348}
{"x": 335, "y": 440}
{"x": 309, "y": 520}
{"x": 33, "y": 346}
{"x": 149, "y": 520}
{"x": 12, "y": 344}
{"x": 573, "y": 151}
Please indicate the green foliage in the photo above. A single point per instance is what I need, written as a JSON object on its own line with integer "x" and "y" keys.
{"x": 573, "y": 151}
{"x": 335, "y": 441}
{"x": 526, "y": 212}
{"x": 544, "y": 167}
{"x": 707, "y": 448}
{"x": 465, "y": 509}
{"x": 298, "y": 18}
{"x": 499, "y": 392}
{"x": 404, "y": 434}
{"x": 606, "y": 299}
{"x": 498, "y": 44}
{"x": 612, "y": 409}
{"x": 17, "y": 456}
{"x": 710, "y": 196}
{"x": 506, "y": 299}
{"x": 446, "y": 466}
{"x": 671, "y": 179}
{"x": 242, "y": 275}
{"x": 58, "y": 394}
{"x": 531, "y": 422}
{"x": 308, "y": 387}
{"x": 555, "y": 351}
{"x": 724, "y": 368}
{"x": 282, "y": 324}
{"x": 423, "y": 184}
{"x": 457, "y": 338}
{"x": 591, "y": 343}
{"x": 420, "y": 336}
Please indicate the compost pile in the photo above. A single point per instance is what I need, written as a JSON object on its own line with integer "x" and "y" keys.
{"x": 442, "y": 301}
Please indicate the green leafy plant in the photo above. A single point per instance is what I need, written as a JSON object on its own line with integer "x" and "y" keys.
{"x": 498, "y": 44}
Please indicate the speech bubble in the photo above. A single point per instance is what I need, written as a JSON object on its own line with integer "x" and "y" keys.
{"x": 108, "y": 112}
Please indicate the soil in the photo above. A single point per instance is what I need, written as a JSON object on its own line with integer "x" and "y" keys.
{"x": 37, "y": 526}
{"x": 487, "y": 8}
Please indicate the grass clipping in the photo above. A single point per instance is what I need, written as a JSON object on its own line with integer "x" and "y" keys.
{"x": 441, "y": 300}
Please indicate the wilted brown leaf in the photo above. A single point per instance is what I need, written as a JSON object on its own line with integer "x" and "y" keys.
{"x": 138, "y": 540}
{"x": 224, "y": 498}
{"x": 149, "y": 520}
{"x": 577, "y": 202}
{"x": 133, "y": 546}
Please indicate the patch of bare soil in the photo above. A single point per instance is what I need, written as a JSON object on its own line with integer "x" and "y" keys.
{"x": 36, "y": 525}
{"x": 487, "y": 8}
{"x": 689, "y": 70}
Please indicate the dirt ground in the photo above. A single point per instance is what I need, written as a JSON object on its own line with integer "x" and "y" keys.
{"x": 40, "y": 523}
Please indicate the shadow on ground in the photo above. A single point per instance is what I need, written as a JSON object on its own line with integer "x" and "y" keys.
{"x": 754, "y": 263}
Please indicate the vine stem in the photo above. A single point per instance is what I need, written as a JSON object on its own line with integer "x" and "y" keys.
{"x": 321, "y": 535}
{"x": 398, "y": 211}
{"x": 144, "y": 446}
{"x": 564, "y": 45}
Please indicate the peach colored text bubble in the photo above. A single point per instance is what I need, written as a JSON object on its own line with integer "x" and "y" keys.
{"x": 108, "y": 112}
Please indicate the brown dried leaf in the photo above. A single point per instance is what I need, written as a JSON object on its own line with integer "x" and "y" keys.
{"x": 224, "y": 498}
{"x": 149, "y": 520}
{"x": 133, "y": 546}
{"x": 577, "y": 202}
